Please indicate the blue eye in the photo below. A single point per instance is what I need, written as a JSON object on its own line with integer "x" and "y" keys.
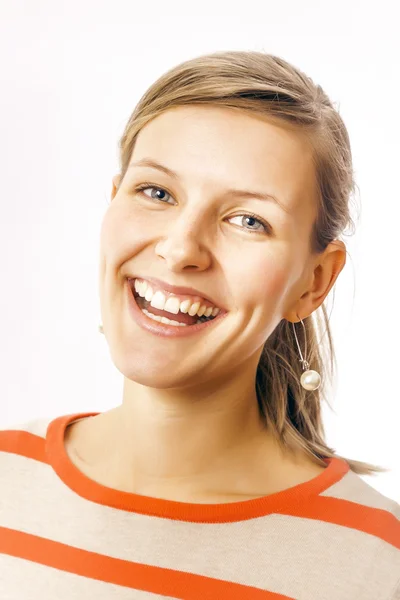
{"x": 149, "y": 187}
{"x": 266, "y": 227}
{"x": 254, "y": 217}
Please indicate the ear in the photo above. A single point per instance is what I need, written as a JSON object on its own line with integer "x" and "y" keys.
{"x": 326, "y": 269}
{"x": 116, "y": 180}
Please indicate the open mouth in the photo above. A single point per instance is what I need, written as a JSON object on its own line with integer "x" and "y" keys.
{"x": 166, "y": 323}
{"x": 180, "y": 317}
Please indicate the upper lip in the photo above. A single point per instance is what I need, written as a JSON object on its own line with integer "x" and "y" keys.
{"x": 177, "y": 289}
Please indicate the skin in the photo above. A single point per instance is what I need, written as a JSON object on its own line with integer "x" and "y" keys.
{"x": 188, "y": 428}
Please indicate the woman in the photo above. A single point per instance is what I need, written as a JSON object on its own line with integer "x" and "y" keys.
{"x": 212, "y": 478}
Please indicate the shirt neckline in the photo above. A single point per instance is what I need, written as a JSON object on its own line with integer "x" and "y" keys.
{"x": 95, "y": 492}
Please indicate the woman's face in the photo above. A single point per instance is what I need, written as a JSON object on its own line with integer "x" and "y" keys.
{"x": 196, "y": 233}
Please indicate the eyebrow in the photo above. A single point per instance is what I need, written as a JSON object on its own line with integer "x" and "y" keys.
{"x": 148, "y": 162}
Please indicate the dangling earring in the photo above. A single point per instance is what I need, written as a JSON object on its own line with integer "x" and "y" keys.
{"x": 310, "y": 380}
{"x": 101, "y": 330}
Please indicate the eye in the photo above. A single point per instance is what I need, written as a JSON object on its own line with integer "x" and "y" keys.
{"x": 265, "y": 227}
{"x": 147, "y": 186}
{"x": 253, "y": 217}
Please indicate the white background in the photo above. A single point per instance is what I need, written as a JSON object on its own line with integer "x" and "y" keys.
{"x": 71, "y": 74}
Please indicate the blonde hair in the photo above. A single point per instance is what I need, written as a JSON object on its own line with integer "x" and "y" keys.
{"x": 267, "y": 85}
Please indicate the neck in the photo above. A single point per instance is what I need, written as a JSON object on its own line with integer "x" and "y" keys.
{"x": 162, "y": 443}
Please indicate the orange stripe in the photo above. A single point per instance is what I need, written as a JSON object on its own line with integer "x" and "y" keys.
{"x": 23, "y": 443}
{"x": 375, "y": 521}
{"x": 157, "y": 580}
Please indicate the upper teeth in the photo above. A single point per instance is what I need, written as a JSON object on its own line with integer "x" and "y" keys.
{"x": 164, "y": 301}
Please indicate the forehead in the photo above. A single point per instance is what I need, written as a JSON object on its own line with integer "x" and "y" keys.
{"x": 231, "y": 148}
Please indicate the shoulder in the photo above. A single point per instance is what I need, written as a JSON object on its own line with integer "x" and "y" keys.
{"x": 23, "y": 440}
{"x": 356, "y": 489}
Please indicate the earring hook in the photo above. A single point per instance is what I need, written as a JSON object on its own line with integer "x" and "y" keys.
{"x": 303, "y": 361}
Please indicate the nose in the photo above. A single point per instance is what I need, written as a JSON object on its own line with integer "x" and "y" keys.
{"x": 183, "y": 246}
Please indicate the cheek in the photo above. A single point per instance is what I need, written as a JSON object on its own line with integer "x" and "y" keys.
{"x": 120, "y": 230}
{"x": 270, "y": 294}
{"x": 263, "y": 279}
{"x": 274, "y": 283}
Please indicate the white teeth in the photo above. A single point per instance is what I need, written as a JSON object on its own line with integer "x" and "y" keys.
{"x": 163, "y": 319}
{"x": 184, "y": 307}
{"x": 171, "y": 303}
{"x": 158, "y": 300}
{"x": 194, "y": 308}
{"x": 149, "y": 294}
{"x": 202, "y": 310}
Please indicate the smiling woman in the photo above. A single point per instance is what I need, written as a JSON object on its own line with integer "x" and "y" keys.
{"x": 213, "y": 478}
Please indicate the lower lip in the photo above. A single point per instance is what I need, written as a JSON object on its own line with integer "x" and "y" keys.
{"x": 163, "y": 329}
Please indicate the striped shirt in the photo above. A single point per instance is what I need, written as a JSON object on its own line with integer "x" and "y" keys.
{"x": 64, "y": 536}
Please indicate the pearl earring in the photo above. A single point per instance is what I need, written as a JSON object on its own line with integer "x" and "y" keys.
{"x": 310, "y": 380}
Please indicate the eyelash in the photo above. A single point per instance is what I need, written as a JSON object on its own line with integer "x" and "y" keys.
{"x": 147, "y": 185}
